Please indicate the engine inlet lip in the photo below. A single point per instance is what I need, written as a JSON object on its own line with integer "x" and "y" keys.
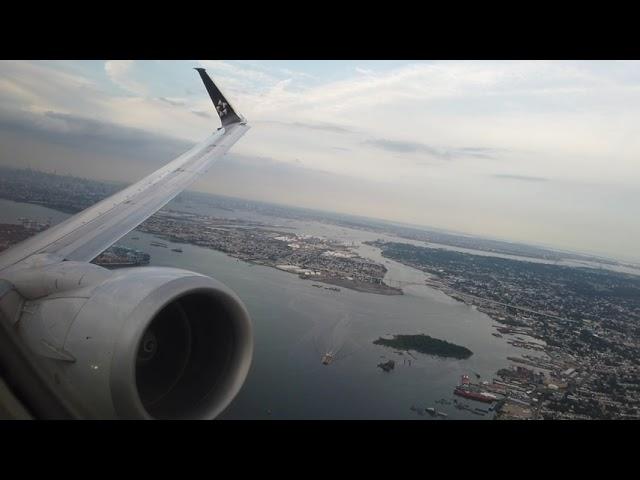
{"x": 124, "y": 393}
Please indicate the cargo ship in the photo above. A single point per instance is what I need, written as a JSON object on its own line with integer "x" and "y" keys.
{"x": 479, "y": 396}
{"x": 465, "y": 390}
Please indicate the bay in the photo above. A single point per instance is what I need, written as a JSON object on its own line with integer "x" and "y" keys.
{"x": 296, "y": 323}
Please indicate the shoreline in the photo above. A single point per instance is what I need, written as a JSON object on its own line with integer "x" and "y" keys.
{"x": 361, "y": 287}
{"x": 383, "y": 289}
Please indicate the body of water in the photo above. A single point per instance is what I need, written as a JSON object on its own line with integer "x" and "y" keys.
{"x": 296, "y": 323}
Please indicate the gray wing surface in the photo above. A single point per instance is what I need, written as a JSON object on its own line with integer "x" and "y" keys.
{"x": 85, "y": 235}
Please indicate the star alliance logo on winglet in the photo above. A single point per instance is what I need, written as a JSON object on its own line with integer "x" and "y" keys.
{"x": 221, "y": 107}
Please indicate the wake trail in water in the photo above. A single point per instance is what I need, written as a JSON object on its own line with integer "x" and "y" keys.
{"x": 327, "y": 339}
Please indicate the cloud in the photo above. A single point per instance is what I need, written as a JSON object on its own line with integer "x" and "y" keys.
{"x": 326, "y": 127}
{"x": 238, "y": 79}
{"x": 249, "y": 72}
{"x": 524, "y": 178}
{"x": 37, "y": 86}
{"x": 403, "y": 126}
{"x": 66, "y": 90}
{"x": 267, "y": 179}
{"x": 295, "y": 74}
{"x": 244, "y": 72}
{"x": 397, "y": 146}
{"x": 201, "y": 113}
{"x": 402, "y": 147}
{"x": 119, "y": 71}
{"x": 176, "y": 102}
{"x": 93, "y": 135}
{"x": 479, "y": 152}
{"x": 364, "y": 71}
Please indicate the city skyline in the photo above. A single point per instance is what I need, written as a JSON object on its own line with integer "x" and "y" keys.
{"x": 532, "y": 152}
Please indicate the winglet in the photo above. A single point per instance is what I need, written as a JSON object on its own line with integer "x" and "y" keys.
{"x": 225, "y": 111}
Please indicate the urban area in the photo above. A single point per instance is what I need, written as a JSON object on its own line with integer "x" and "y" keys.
{"x": 583, "y": 329}
{"x": 580, "y": 327}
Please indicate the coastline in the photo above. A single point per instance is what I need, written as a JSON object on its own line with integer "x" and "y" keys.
{"x": 378, "y": 289}
{"x": 383, "y": 289}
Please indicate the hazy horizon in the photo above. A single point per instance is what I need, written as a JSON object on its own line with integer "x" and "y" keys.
{"x": 541, "y": 153}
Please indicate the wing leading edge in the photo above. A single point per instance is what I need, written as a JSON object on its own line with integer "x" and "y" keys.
{"x": 85, "y": 235}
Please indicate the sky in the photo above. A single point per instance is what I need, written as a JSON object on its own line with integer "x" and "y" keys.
{"x": 540, "y": 152}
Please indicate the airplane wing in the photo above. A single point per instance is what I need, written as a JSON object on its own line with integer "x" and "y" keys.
{"x": 85, "y": 235}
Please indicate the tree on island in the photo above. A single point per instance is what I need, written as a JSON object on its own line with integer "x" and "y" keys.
{"x": 425, "y": 344}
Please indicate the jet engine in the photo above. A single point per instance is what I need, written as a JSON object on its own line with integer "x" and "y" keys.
{"x": 138, "y": 343}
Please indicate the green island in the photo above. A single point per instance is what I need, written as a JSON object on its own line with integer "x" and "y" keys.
{"x": 425, "y": 344}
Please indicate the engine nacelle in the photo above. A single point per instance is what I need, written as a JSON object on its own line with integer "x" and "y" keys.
{"x": 143, "y": 343}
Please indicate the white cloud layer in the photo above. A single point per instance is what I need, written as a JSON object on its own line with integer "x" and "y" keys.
{"x": 534, "y": 151}
{"x": 120, "y": 71}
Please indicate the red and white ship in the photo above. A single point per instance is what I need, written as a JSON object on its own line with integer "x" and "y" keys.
{"x": 466, "y": 390}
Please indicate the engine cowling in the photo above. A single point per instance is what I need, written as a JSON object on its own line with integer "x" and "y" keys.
{"x": 143, "y": 343}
